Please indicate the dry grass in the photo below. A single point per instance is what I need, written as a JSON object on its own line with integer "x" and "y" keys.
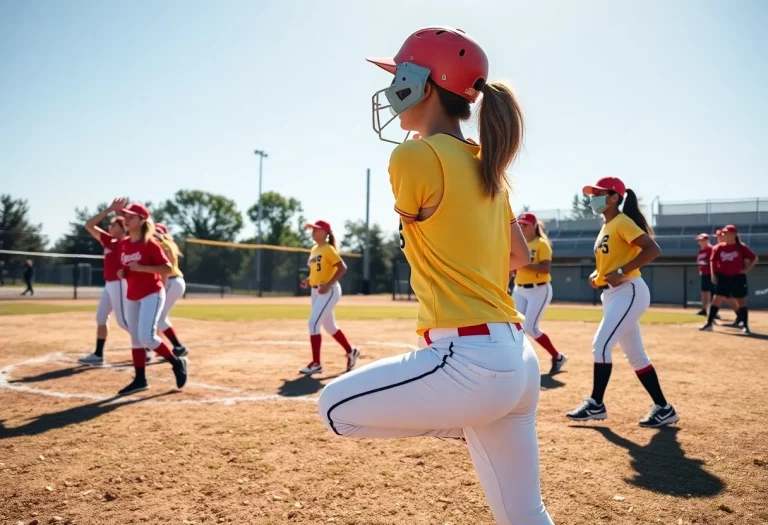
{"x": 167, "y": 457}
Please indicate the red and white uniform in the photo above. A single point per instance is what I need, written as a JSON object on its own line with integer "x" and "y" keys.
{"x": 146, "y": 294}
{"x": 728, "y": 259}
{"x": 113, "y": 295}
{"x": 702, "y": 260}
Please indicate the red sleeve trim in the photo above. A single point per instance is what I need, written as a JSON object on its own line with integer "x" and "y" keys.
{"x": 513, "y": 221}
{"x": 406, "y": 214}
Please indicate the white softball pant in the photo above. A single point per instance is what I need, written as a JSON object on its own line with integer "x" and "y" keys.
{"x": 623, "y": 306}
{"x": 482, "y": 388}
{"x": 531, "y": 302}
{"x": 322, "y": 310}
{"x": 174, "y": 290}
{"x": 143, "y": 316}
{"x": 112, "y": 300}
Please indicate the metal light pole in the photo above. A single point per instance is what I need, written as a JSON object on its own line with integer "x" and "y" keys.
{"x": 261, "y": 154}
{"x": 366, "y": 251}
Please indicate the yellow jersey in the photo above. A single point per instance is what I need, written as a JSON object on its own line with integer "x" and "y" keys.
{"x": 459, "y": 256}
{"x": 322, "y": 264}
{"x": 172, "y": 252}
{"x": 614, "y": 248}
{"x": 540, "y": 250}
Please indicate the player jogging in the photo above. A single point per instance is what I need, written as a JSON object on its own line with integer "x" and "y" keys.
{"x": 326, "y": 267}
{"x": 731, "y": 261}
{"x": 175, "y": 286}
{"x": 476, "y": 376}
{"x": 143, "y": 264}
{"x": 533, "y": 288}
{"x": 623, "y": 246}
{"x": 113, "y": 295}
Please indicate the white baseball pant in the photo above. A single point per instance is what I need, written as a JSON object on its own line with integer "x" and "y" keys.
{"x": 112, "y": 300}
{"x": 174, "y": 290}
{"x": 623, "y": 306}
{"x": 143, "y": 316}
{"x": 482, "y": 388}
{"x": 531, "y": 302}
{"x": 322, "y": 310}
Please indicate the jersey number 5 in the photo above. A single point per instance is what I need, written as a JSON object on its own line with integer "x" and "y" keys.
{"x": 604, "y": 243}
{"x": 402, "y": 239}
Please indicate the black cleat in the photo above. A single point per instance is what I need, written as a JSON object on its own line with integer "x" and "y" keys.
{"x": 659, "y": 417}
{"x": 137, "y": 385}
{"x": 557, "y": 364}
{"x": 701, "y": 312}
{"x": 180, "y": 351}
{"x": 180, "y": 371}
{"x": 587, "y": 410}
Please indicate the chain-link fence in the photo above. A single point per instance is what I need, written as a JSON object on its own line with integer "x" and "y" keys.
{"x": 50, "y": 275}
{"x": 229, "y": 268}
{"x": 670, "y": 284}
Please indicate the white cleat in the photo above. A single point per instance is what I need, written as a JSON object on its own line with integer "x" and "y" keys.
{"x": 706, "y": 328}
{"x": 311, "y": 368}
{"x": 352, "y": 358}
{"x": 91, "y": 359}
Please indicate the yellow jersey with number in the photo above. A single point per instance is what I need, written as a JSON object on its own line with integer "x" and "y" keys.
{"x": 459, "y": 256}
{"x": 614, "y": 248}
{"x": 322, "y": 264}
{"x": 540, "y": 250}
{"x": 172, "y": 252}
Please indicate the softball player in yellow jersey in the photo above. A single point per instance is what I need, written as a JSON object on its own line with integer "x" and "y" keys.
{"x": 326, "y": 267}
{"x": 175, "y": 286}
{"x": 533, "y": 288}
{"x": 623, "y": 246}
{"x": 476, "y": 376}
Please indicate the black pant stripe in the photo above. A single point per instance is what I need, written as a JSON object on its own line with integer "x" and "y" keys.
{"x": 388, "y": 387}
{"x": 320, "y": 315}
{"x": 607, "y": 341}
{"x": 536, "y": 321}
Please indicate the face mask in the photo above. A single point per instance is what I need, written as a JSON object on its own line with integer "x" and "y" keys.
{"x": 598, "y": 203}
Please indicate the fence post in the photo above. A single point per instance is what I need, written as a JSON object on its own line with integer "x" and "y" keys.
{"x": 75, "y": 278}
{"x": 685, "y": 287}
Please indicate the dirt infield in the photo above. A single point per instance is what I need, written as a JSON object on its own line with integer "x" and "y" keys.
{"x": 243, "y": 442}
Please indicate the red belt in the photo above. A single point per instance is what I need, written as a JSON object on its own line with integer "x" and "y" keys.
{"x": 464, "y": 331}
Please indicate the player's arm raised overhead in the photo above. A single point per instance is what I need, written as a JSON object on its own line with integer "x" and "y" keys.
{"x": 92, "y": 224}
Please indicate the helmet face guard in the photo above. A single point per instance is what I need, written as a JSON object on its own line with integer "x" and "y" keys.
{"x": 406, "y": 90}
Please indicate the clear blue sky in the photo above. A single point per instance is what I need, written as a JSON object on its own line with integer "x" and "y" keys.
{"x": 99, "y": 99}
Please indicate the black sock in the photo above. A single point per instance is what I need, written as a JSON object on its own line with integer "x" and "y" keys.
{"x": 140, "y": 374}
{"x": 100, "y": 347}
{"x": 601, "y": 373}
{"x": 650, "y": 381}
{"x": 743, "y": 315}
{"x": 712, "y": 313}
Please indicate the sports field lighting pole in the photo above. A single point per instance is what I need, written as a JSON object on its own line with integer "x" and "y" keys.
{"x": 261, "y": 154}
{"x": 367, "y": 248}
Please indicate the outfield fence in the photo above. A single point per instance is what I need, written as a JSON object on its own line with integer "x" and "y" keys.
{"x": 670, "y": 284}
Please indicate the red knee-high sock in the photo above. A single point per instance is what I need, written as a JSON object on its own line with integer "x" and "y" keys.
{"x": 342, "y": 340}
{"x": 164, "y": 351}
{"x": 139, "y": 356}
{"x": 544, "y": 341}
{"x": 316, "y": 341}
{"x": 171, "y": 335}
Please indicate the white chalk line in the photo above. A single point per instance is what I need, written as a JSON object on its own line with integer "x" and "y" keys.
{"x": 242, "y": 397}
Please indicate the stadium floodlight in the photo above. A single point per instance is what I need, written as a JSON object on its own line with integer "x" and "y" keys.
{"x": 261, "y": 154}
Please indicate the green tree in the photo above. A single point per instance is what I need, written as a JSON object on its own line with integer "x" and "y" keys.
{"x": 382, "y": 250}
{"x": 202, "y": 215}
{"x": 17, "y": 232}
{"x": 282, "y": 221}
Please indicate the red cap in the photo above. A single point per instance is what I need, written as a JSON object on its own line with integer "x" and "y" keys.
{"x": 320, "y": 225}
{"x": 161, "y": 228}
{"x": 136, "y": 209}
{"x": 456, "y": 62}
{"x": 730, "y": 228}
{"x": 606, "y": 184}
{"x": 702, "y": 236}
{"x": 527, "y": 218}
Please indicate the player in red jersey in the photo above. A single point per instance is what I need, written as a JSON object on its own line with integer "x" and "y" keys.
{"x": 113, "y": 296}
{"x": 731, "y": 261}
{"x": 143, "y": 264}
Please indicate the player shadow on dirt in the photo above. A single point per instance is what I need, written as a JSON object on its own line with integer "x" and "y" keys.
{"x": 304, "y": 385}
{"x": 548, "y": 382}
{"x": 661, "y": 465}
{"x": 753, "y": 335}
{"x": 71, "y": 371}
{"x": 71, "y": 416}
